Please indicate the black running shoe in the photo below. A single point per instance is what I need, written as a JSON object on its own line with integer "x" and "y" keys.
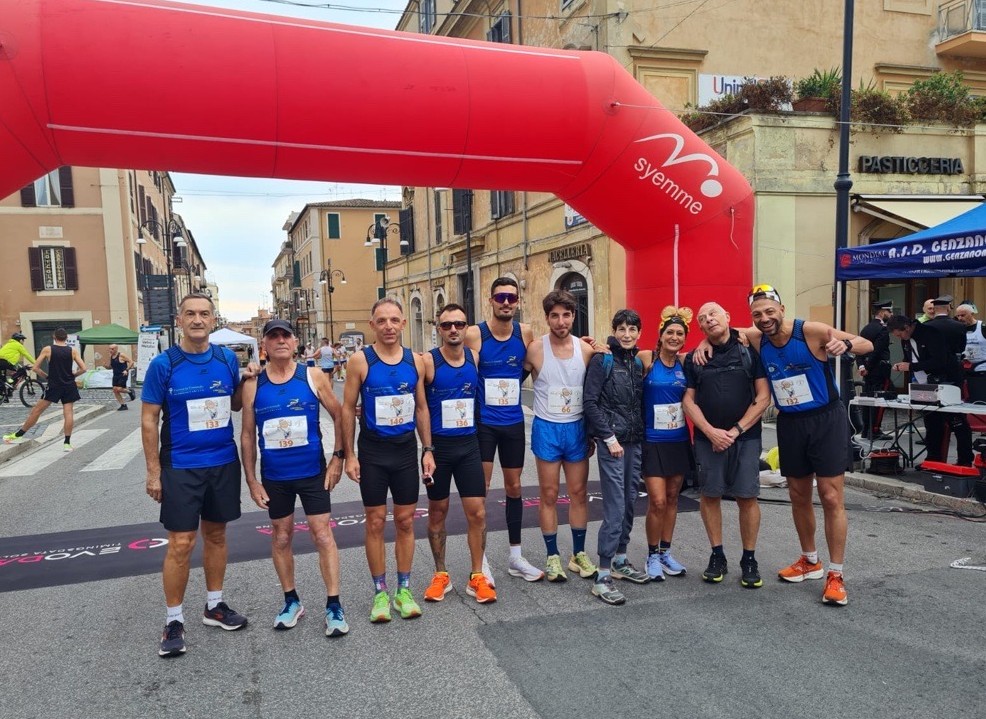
{"x": 716, "y": 569}
{"x": 223, "y": 616}
{"x": 751, "y": 574}
{"x": 172, "y": 640}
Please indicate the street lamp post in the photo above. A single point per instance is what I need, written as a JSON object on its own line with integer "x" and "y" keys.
{"x": 172, "y": 237}
{"x": 377, "y": 232}
{"x": 326, "y": 279}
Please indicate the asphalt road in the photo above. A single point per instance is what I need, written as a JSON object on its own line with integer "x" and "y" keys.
{"x": 910, "y": 642}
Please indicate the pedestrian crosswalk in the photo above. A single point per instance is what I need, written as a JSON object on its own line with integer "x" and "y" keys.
{"x": 124, "y": 451}
{"x": 48, "y": 455}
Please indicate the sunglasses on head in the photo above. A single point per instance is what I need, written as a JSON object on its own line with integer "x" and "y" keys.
{"x": 505, "y": 297}
{"x": 764, "y": 292}
{"x": 458, "y": 324}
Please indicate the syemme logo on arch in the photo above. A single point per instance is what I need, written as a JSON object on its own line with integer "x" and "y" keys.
{"x": 649, "y": 172}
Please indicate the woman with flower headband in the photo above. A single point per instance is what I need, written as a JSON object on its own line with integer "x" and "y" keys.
{"x": 667, "y": 452}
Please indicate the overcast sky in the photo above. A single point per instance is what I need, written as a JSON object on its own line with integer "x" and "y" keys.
{"x": 237, "y": 221}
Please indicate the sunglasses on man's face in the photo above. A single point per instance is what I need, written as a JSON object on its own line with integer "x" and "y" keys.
{"x": 458, "y": 324}
{"x": 505, "y": 298}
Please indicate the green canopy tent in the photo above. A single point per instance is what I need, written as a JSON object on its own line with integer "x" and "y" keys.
{"x": 110, "y": 334}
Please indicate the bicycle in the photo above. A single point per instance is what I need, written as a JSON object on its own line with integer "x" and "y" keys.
{"x": 29, "y": 389}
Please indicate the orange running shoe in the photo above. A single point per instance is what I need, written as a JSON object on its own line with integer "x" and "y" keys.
{"x": 440, "y": 586}
{"x": 835, "y": 590}
{"x": 801, "y": 570}
{"x": 480, "y": 588}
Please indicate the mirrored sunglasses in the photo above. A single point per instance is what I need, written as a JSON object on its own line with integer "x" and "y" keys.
{"x": 458, "y": 324}
{"x": 505, "y": 298}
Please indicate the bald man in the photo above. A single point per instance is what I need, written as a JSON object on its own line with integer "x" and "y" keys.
{"x": 121, "y": 365}
{"x": 975, "y": 351}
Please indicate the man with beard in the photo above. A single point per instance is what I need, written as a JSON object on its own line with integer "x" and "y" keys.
{"x": 501, "y": 344}
{"x": 812, "y": 429}
{"x": 558, "y": 440}
{"x": 451, "y": 381}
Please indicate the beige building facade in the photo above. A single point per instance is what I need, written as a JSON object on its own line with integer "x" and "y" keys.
{"x": 329, "y": 271}
{"x": 80, "y": 247}
{"x": 688, "y": 54}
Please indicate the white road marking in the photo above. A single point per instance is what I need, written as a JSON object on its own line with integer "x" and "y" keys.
{"x": 119, "y": 456}
{"x": 48, "y": 455}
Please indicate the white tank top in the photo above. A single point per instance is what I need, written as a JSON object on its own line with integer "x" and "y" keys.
{"x": 558, "y": 387}
{"x": 975, "y": 348}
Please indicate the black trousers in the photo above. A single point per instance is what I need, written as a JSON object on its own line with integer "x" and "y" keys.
{"x": 938, "y": 427}
{"x": 873, "y": 416}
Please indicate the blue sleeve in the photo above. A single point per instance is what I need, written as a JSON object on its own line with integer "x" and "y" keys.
{"x": 154, "y": 390}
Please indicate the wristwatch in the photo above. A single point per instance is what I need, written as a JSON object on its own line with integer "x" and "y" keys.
{"x": 848, "y": 345}
{"x": 738, "y": 428}
{"x": 340, "y": 453}
{"x": 427, "y": 448}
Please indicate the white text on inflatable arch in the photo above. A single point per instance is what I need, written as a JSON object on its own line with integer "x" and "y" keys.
{"x": 650, "y": 172}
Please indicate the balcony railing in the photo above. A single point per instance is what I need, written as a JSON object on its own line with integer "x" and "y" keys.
{"x": 956, "y": 17}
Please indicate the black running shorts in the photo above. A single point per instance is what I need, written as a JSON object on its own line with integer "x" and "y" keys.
{"x": 315, "y": 498}
{"x": 212, "y": 493}
{"x": 457, "y": 457}
{"x": 388, "y": 464}
{"x": 510, "y": 439}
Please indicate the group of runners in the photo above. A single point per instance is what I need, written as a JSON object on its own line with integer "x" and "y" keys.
{"x": 462, "y": 401}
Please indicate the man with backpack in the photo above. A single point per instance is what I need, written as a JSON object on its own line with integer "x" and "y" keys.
{"x": 725, "y": 399}
{"x": 193, "y": 468}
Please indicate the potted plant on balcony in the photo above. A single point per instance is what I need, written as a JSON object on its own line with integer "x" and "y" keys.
{"x": 817, "y": 91}
{"x": 943, "y": 97}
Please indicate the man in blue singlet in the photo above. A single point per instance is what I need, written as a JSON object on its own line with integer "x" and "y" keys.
{"x": 501, "y": 344}
{"x": 451, "y": 385}
{"x": 193, "y": 469}
{"x": 283, "y": 402}
{"x": 812, "y": 429}
{"x": 389, "y": 380}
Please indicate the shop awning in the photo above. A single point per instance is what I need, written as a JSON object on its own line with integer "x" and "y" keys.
{"x": 915, "y": 212}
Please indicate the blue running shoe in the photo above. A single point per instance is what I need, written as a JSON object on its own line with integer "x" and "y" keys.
{"x": 655, "y": 570}
{"x": 671, "y": 566}
{"x": 335, "y": 621}
{"x": 289, "y": 616}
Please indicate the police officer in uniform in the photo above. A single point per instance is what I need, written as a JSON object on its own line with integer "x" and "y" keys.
{"x": 874, "y": 367}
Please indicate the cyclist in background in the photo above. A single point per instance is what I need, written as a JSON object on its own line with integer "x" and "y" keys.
{"x": 11, "y": 353}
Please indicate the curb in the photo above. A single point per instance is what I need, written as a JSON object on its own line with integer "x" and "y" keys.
{"x": 46, "y": 436}
{"x": 908, "y": 490}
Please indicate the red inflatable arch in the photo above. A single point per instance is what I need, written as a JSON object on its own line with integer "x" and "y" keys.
{"x": 127, "y": 83}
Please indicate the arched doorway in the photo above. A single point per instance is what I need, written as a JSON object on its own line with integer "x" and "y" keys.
{"x": 576, "y": 284}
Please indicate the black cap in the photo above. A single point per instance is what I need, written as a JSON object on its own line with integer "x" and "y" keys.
{"x": 883, "y": 304}
{"x": 277, "y": 325}
{"x": 18, "y": 336}
{"x": 943, "y": 300}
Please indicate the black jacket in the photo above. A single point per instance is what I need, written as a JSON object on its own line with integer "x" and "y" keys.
{"x": 934, "y": 356}
{"x": 952, "y": 330}
{"x": 612, "y": 405}
{"x": 877, "y": 361}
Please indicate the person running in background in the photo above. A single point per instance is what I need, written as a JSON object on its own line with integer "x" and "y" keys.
{"x": 61, "y": 387}
{"x": 121, "y": 365}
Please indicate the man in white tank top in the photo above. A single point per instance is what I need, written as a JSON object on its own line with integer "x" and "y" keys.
{"x": 557, "y": 361}
{"x": 975, "y": 351}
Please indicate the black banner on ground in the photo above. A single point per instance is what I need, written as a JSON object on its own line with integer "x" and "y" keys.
{"x": 48, "y": 560}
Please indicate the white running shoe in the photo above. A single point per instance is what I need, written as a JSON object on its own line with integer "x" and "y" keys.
{"x": 520, "y": 567}
{"x": 488, "y": 572}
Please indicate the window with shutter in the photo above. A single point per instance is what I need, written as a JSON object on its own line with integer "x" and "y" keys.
{"x": 65, "y": 185}
{"x": 461, "y": 211}
{"x": 334, "y": 226}
{"x": 426, "y": 16}
{"x": 407, "y": 231}
{"x": 438, "y": 217}
{"x": 48, "y": 190}
{"x": 34, "y": 262}
{"x": 71, "y": 268}
{"x": 53, "y": 268}
{"x": 501, "y": 204}
{"x": 500, "y": 30}
{"x": 141, "y": 205}
{"x": 27, "y": 196}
